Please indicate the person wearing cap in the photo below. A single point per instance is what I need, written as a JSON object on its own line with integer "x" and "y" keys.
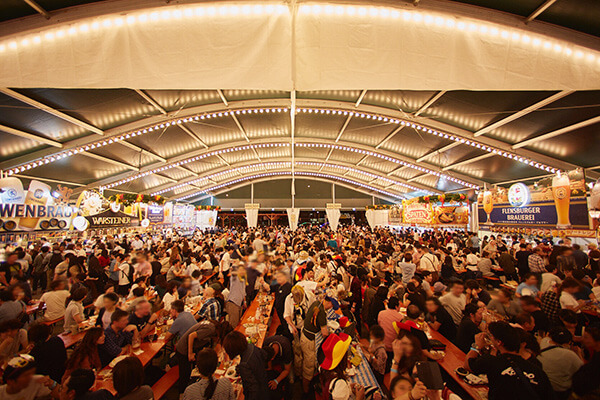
{"x": 558, "y": 361}
{"x": 315, "y": 322}
{"x": 279, "y": 355}
{"x": 22, "y": 384}
{"x": 439, "y": 289}
{"x": 333, "y": 359}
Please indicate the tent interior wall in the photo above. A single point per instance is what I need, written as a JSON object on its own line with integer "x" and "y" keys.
{"x": 372, "y": 124}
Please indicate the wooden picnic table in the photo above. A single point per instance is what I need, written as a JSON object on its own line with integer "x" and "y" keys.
{"x": 267, "y": 302}
{"x": 146, "y": 352}
{"x": 33, "y": 307}
{"x": 454, "y": 359}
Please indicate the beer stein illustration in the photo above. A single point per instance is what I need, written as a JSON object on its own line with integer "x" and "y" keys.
{"x": 561, "y": 191}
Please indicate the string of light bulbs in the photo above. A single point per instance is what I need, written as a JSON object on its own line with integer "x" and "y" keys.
{"x": 264, "y": 110}
{"x": 272, "y": 165}
{"x": 286, "y": 173}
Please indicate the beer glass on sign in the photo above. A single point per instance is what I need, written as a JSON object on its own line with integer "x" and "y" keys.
{"x": 38, "y": 194}
{"x": 561, "y": 191}
{"x": 488, "y": 205}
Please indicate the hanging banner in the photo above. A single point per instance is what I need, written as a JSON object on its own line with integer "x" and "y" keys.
{"x": 557, "y": 202}
{"x": 206, "y": 219}
{"x": 395, "y": 215}
{"x": 252, "y": 214}
{"x": 333, "y": 215}
{"x": 155, "y": 214}
{"x": 377, "y": 218}
{"x": 293, "y": 215}
{"x": 168, "y": 213}
{"x": 370, "y": 214}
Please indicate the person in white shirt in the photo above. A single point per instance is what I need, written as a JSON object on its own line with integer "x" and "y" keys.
{"x": 192, "y": 266}
{"x": 428, "y": 261}
{"x": 225, "y": 265}
{"x": 124, "y": 272}
{"x": 549, "y": 279}
{"x": 137, "y": 243}
{"x": 74, "y": 311}
{"x": 567, "y": 295}
{"x": 55, "y": 301}
{"x": 471, "y": 259}
{"x": 259, "y": 244}
{"x": 171, "y": 295}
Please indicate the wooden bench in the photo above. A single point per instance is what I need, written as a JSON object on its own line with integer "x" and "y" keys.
{"x": 165, "y": 383}
{"x": 493, "y": 280}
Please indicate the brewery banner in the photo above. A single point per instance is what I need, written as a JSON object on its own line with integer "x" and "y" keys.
{"x": 417, "y": 213}
{"x": 155, "y": 214}
{"x": 557, "y": 202}
{"x": 38, "y": 208}
{"x": 111, "y": 219}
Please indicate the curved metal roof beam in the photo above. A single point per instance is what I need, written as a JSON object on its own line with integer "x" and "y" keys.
{"x": 269, "y": 179}
{"x": 122, "y": 133}
{"x": 301, "y": 162}
{"x": 268, "y": 176}
{"x": 307, "y": 142}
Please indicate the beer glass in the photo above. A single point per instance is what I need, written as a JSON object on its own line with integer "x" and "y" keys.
{"x": 561, "y": 191}
{"x": 488, "y": 205}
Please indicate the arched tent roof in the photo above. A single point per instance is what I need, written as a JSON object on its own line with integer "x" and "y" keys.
{"x": 312, "y": 83}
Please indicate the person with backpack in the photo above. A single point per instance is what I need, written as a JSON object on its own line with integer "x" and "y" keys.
{"x": 509, "y": 375}
{"x": 251, "y": 367}
{"x": 125, "y": 273}
{"x": 559, "y": 362}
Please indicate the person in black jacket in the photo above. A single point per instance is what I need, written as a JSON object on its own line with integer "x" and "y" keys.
{"x": 49, "y": 352}
{"x": 251, "y": 367}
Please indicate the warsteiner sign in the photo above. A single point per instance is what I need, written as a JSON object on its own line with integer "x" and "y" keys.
{"x": 111, "y": 219}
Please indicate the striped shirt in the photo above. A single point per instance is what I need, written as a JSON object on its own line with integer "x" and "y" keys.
{"x": 223, "y": 391}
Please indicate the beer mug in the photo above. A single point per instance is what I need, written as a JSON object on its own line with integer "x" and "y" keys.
{"x": 561, "y": 192}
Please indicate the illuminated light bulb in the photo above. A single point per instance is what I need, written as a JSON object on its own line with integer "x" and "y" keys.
{"x": 547, "y": 45}
{"x": 461, "y": 26}
{"x": 12, "y": 45}
{"x": 578, "y": 54}
{"x": 25, "y": 42}
{"x": 536, "y": 42}
{"x": 494, "y": 31}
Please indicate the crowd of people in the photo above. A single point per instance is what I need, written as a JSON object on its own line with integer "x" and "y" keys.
{"x": 516, "y": 308}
